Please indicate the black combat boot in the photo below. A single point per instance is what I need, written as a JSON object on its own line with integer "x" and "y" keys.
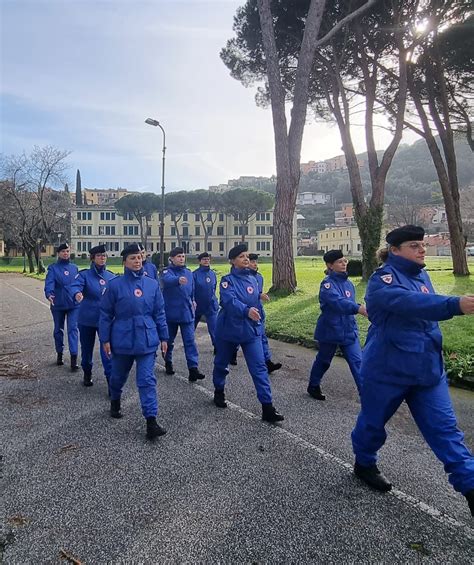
{"x": 195, "y": 375}
{"x": 269, "y": 414}
{"x": 74, "y": 365}
{"x": 271, "y": 366}
{"x": 87, "y": 377}
{"x": 470, "y": 500}
{"x": 315, "y": 392}
{"x": 372, "y": 477}
{"x": 115, "y": 409}
{"x": 233, "y": 361}
{"x": 219, "y": 398}
{"x": 169, "y": 370}
{"x": 153, "y": 429}
{"x": 59, "y": 359}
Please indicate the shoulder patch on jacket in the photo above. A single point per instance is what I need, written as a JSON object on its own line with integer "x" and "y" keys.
{"x": 224, "y": 284}
{"x": 387, "y": 278}
{"x": 327, "y": 285}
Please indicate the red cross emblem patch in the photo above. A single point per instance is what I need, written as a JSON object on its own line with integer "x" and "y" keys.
{"x": 250, "y": 289}
{"x": 348, "y": 293}
{"x": 225, "y": 284}
{"x": 137, "y": 292}
{"x": 208, "y": 279}
{"x": 66, "y": 273}
{"x": 425, "y": 289}
{"x": 101, "y": 281}
{"x": 387, "y": 279}
{"x": 327, "y": 285}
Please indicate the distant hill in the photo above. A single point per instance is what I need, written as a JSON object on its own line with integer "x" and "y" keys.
{"x": 412, "y": 174}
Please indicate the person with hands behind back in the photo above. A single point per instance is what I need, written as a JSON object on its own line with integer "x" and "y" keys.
{"x": 132, "y": 325}
{"x": 239, "y": 323}
{"x": 403, "y": 361}
{"x": 336, "y": 325}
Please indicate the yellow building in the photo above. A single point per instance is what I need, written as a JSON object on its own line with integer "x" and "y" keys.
{"x": 345, "y": 238}
{"x": 94, "y": 225}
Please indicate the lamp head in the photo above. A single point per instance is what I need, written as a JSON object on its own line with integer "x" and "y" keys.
{"x": 152, "y": 122}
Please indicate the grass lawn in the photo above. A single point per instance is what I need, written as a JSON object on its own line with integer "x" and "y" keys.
{"x": 293, "y": 318}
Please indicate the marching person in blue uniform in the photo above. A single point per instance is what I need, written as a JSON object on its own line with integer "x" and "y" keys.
{"x": 253, "y": 266}
{"x": 132, "y": 325}
{"x": 178, "y": 292}
{"x": 87, "y": 289}
{"x": 205, "y": 283}
{"x": 149, "y": 268}
{"x": 59, "y": 278}
{"x": 239, "y": 323}
{"x": 403, "y": 361}
{"x": 336, "y": 325}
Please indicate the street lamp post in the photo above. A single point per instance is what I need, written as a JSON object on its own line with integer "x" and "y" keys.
{"x": 152, "y": 122}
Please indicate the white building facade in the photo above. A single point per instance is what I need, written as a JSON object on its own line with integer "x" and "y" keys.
{"x": 94, "y": 225}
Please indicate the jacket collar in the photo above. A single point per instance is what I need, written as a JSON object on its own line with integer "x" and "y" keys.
{"x": 240, "y": 272}
{"x": 64, "y": 261}
{"x": 338, "y": 276}
{"x": 133, "y": 274}
{"x": 204, "y": 268}
{"x": 404, "y": 265}
{"x": 98, "y": 270}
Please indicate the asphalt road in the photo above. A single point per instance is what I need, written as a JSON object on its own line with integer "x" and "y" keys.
{"x": 221, "y": 486}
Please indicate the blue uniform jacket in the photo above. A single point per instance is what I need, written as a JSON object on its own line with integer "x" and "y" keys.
{"x": 337, "y": 324}
{"x": 260, "y": 283}
{"x": 205, "y": 283}
{"x": 178, "y": 297}
{"x": 59, "y": 278}
{"x": 238, "y": 293}
{"x": 132, "y": 314}
{"x": 150, "y": 270}
{"x": 92, "y": 283}
{"x": 404, "y": 342}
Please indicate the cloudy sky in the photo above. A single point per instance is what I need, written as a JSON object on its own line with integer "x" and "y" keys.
{"x": 83, "y": 75}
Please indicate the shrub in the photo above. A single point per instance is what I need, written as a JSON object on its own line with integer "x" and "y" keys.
{"x": 7, "y": 260}
{"x": 84, "y": 256}
{"x": 354, "y": 268}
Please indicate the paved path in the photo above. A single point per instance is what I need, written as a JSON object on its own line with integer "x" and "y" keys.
{"x": 222, "y": 486}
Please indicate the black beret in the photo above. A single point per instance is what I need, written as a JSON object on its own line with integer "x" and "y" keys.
{"x": 62, "y": 247}
{"x": 253, "y": 256}
{"x": 97, "y": 249}
{"x": 176, "y": 251}
{"x": 405, "y": 233}
{"x": 237, "y": 250}
{"x": 332, "y": 255}
{"x": 132, "y": 249}
{"x": 203, "y": 255}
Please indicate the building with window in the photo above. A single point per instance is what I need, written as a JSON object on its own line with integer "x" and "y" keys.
{"x": 345, "y": 238}
{"x": 312, "y": 198}
{"x": 94, "y": 225}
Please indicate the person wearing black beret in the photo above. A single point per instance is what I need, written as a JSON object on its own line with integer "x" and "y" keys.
{"x": 403, "y": 362}
{"x": 205, "y": 284}
{"x": 87, "y": 289}
{"x": 177, "y": 282}
{"x": 336, "y": 326}
{"x": 132, "y": 326}
{"x": 239, "y": 323}
{"x": 59, "y": 279}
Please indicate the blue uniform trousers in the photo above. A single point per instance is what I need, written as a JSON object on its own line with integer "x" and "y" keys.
{"x": 253, "y": 353}
{"x": 267, "y": 354}
{"x": 146, "y": 380}
{"x": 190, "y": 349}
{"x": 433, "y": 413}
{"x": 211, "y": 321}
{"x": 87, "y": 337}
{"x": 352, "y": 354}
{"x": 59, "y": 317}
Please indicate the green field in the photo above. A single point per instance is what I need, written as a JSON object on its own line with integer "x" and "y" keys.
{"x": 293, "y": 318}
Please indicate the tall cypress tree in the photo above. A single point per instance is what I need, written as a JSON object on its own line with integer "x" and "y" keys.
{"x": 78, "y": 189}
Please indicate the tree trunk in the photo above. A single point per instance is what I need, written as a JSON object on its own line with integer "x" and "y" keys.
{"x": 31, "y": 263}
{"x": 284, "y": 275}
{"x": 449, "y": 188}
